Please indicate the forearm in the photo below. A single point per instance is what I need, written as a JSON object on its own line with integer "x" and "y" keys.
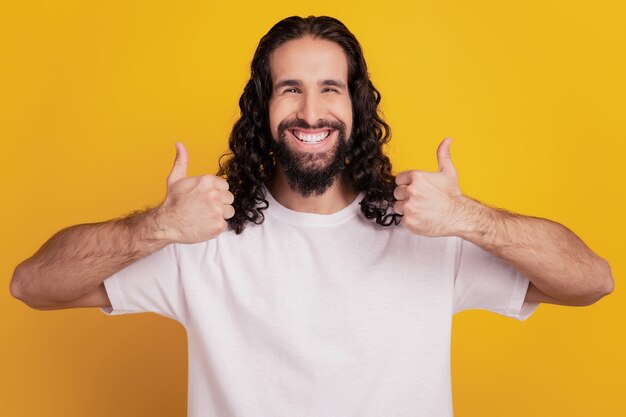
{"x": 79, "y": 258}
{"x": 549, "y": 254}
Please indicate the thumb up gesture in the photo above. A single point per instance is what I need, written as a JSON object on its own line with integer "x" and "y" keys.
{"x": 195, "y": 209}
{"x": 431, "y": 202}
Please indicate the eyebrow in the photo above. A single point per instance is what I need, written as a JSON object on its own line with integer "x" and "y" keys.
{"x": 298, "y": 83}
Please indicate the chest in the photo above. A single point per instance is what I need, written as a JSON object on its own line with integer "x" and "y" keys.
{"x": 329, "y": 284}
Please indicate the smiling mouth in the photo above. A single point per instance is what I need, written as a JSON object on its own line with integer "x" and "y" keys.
{"x": 311, "y": 137}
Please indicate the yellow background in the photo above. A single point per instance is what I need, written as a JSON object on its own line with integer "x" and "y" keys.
{"x": 94, "y": 94}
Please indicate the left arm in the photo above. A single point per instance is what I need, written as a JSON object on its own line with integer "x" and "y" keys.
{"x": 561, "y": 268}
{"x": 558, "y": 264}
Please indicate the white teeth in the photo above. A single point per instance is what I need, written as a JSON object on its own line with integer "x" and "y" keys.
{"x": 314, "y": 138}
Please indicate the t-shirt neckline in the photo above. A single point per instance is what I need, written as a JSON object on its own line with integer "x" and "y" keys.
{"x": 300, "y": 218}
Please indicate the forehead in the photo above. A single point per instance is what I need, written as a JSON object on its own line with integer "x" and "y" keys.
{"x": 309, "y": 59}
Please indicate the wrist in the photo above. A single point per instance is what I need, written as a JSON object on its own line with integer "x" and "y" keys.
{"x": 156, "y": 227}
{"x": 149, "y": 228}
{"x": 475, "y": 219}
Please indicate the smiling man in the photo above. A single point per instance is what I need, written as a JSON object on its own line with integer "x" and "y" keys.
{"x": 310, "y": 115}
{"x": 311, "y": 281}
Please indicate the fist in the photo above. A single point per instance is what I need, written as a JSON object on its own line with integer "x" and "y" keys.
{"x": 430, "y": 201}
{"x": 195, "y": 209}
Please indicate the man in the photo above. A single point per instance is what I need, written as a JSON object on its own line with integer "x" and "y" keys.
{"x": 313, "y": 282}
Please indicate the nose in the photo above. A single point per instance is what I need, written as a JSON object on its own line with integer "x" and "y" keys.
{"x": 311, "y": 108}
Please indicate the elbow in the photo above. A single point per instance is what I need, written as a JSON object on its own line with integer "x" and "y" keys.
{"x": 608, "y": 282}
{"x": 18, "y": 286}
{"x": 604, "y": 283}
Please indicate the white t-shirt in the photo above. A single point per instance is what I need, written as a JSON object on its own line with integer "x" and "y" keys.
{"x": 314, "y": 315}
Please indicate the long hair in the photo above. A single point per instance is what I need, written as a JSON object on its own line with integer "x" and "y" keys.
{"x": 250, "y": 161}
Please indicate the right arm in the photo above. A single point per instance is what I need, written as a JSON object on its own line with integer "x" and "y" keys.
{"x": 69, "y": 269}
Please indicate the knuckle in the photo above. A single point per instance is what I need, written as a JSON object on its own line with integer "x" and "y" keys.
{"x": 409, "y": 210}
{"x": 206, "y": 180}
{"x": 212, "y": 194}
{"x": 221, "y": 226}
{"x": 195, "y": 181}
{"x": 418, "y": 176}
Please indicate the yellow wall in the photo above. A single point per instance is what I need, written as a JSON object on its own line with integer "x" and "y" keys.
{"x": 94, "y": 94}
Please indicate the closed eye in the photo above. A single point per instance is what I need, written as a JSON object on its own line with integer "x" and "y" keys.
{"x": 330, "y": 89}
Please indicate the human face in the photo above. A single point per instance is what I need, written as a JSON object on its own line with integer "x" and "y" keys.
{"x": 310, "y": 111}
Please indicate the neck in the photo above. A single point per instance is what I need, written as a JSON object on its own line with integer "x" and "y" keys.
{"x": 337, "y": 196}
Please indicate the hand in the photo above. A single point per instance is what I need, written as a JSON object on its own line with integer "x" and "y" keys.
{"x": 195, "y": 209}
{"x": 431, "y": 202}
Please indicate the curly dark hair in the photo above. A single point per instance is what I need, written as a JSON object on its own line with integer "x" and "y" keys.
{"x": 250, "y": 162}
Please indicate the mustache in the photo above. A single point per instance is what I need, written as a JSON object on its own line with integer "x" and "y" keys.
{"x": 299, "y": 123}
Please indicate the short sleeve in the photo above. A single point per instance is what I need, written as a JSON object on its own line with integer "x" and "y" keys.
{"x": 150, "y": 284}
{"x": 484, "y": 281}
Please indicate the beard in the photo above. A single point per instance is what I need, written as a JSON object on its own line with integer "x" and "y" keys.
{"x": 311, "y": 173}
